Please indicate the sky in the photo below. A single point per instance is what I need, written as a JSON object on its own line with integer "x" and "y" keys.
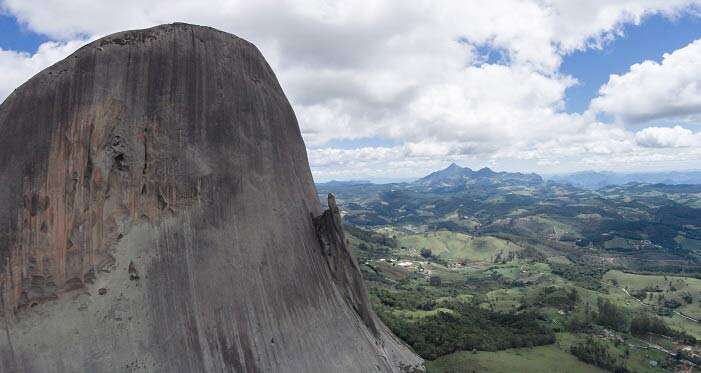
{"x": 392, "y": 90}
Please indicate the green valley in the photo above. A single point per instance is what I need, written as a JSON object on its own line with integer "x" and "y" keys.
{"x": 485, "y": 271}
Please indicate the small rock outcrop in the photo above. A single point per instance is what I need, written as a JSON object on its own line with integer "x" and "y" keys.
{"x": 343, "y": 266}
{"x": 158, "y": 214}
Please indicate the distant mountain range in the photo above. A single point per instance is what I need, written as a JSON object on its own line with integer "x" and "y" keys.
{"x": 347, "y": 182}
{"x": 596, "y": 180}
{"x": 451, "y": 179}
{"x": 455, "y": 177}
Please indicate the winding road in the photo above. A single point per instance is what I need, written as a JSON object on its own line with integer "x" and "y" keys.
{"x": 652, "y": 305}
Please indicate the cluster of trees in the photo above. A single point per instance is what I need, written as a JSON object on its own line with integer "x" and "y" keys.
{"x": 457, "y": 326}
{"x": 614, "y": 317}
{"x": 595, "y": 352}
{"x": 368, "y": 250}
{"x": 558, "y": 297}
{"x": 469, "y": 329}
{"x": 366, "y": 219}
{"x": 658, "y": 232}
{"x": 586, "y": 276}
{"x": 503, "y": 259}
{"x": 687, "y": 297}
{"x": 371, "y": 237}
{"x": 643, "y": 324}
{"x": 679, "y": 215}
{"x": 610, "y": 315}
{"x": 668, "y": 222}
{"x": 406, "y": 300}
{"x": 427, "y": 253}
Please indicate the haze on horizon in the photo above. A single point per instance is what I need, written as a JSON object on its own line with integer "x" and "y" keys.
{"x": 395, "y": 90}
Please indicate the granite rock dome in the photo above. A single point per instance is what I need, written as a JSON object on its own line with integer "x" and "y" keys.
{"x": 158, "y": 214}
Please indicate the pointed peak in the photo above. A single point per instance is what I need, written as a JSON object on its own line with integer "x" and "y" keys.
{"x": 453, "y": 166}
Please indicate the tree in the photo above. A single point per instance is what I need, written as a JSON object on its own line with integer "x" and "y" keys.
{"x": 687, "y": 297}
{"x": 611, "y": 315}
{"x": 596, "y": 353}
{"x": 643, "y": 324}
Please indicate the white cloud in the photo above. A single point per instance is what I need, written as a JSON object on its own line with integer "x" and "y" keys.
{"x": 410, "y": 72}
{"x": 592, "y": 23}
{"x": 17, "y": 67}
{"x": 666, "y": 137}
{"x": 651, "y": 90}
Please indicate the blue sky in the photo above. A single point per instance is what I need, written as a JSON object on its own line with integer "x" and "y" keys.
{"x": 394, "y": 89}
{"x": 15, "y": 37}
{"x": 648, "y": 41}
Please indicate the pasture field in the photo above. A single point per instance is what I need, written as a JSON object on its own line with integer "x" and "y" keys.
{"x": 527, "y": 360}
{"x": 658, "y": 289}
{"x": 455, "y": 245}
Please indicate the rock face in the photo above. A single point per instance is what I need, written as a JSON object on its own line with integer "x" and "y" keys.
{"x": 157, "y": 214}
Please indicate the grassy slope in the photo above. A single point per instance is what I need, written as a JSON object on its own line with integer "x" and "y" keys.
{"x": 537, "y": 359}
{"x": 538, "y": 275}
{"x": 681, "y": 285}
{"x": 689, "y": 244}
{"x": 459, "y": 246}
{"x": 634, "y": 282}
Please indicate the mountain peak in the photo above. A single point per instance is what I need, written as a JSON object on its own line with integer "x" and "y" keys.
{"x": 455, "y": 176}
{"x": 455, "y": 168}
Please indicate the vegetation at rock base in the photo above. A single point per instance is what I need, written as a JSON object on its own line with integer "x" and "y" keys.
{"x": 457, "y": 326}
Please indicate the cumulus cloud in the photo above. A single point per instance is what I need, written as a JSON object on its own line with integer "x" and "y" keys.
{"x": 666, "y": 137}
{"x": 17, "y": 67}
{"x": 652, "y": 90}
{"x": 591, "y": 24}
{"x": 413, "y": 73}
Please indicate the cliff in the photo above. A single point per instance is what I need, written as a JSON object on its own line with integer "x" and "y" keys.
{"x": 158, "y": 214}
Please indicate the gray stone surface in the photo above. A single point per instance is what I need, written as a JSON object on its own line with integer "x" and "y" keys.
{"x": 157, "y": 215}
